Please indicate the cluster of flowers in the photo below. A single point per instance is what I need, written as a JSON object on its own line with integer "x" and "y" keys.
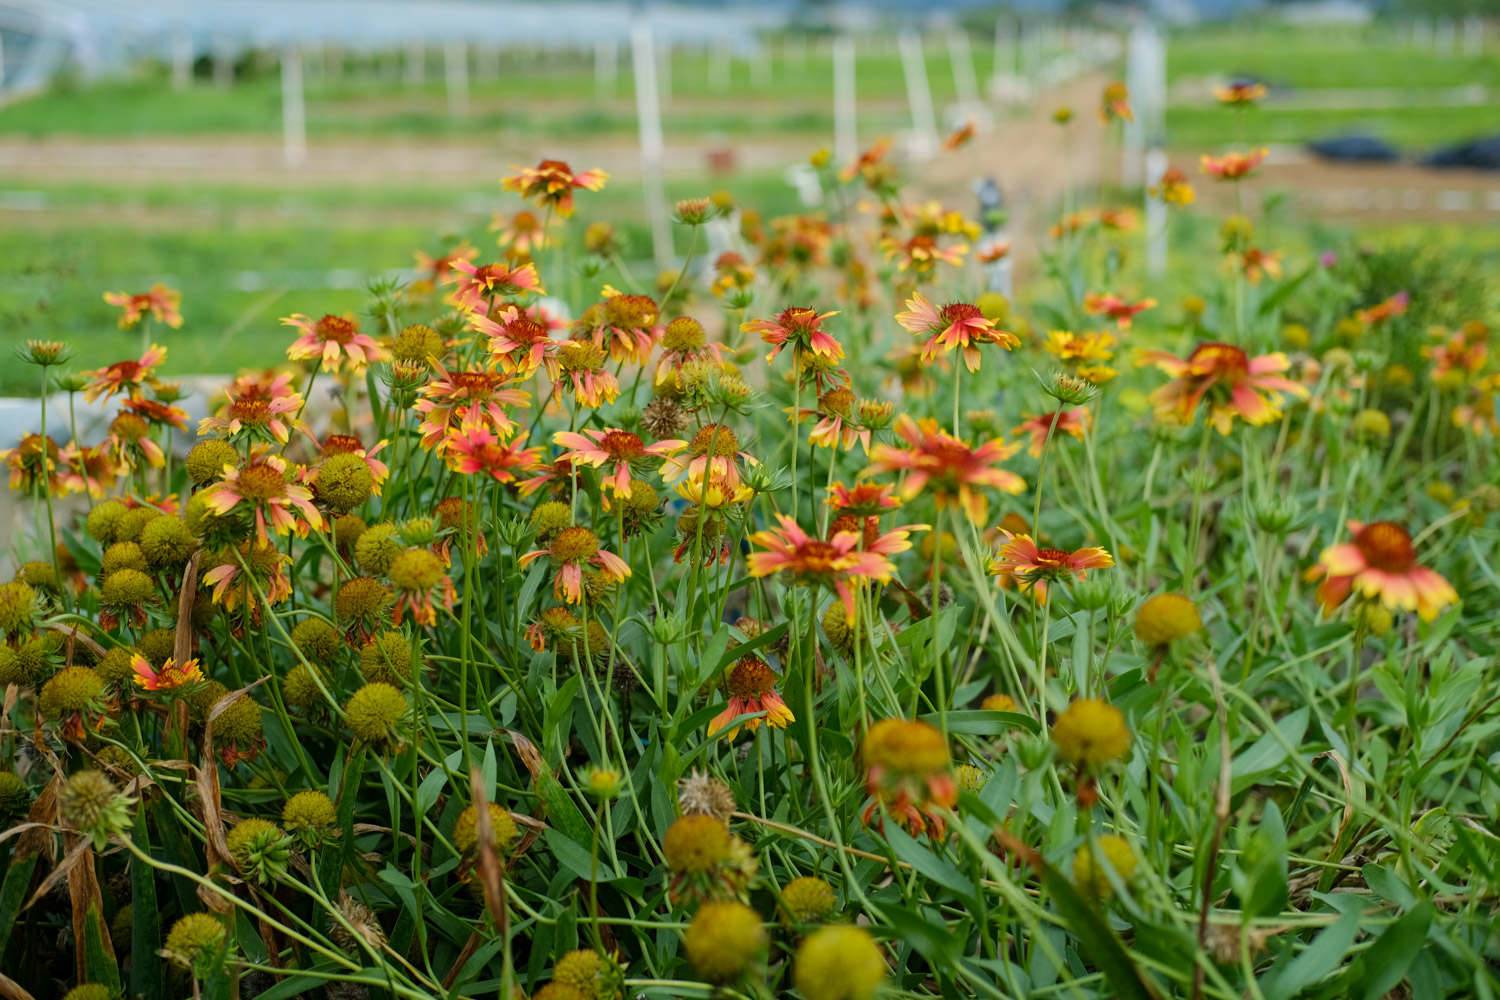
{"x": 283, "y": 577}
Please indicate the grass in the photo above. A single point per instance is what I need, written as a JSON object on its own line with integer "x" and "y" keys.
{"x": 1413, "y": 130}
{"x": 245, "y": 256}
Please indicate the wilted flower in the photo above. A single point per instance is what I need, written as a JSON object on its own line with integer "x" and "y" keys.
{"x": 751, "y": 685}
{"x": 570, "y": 550}
{"x": 908, "y": 773}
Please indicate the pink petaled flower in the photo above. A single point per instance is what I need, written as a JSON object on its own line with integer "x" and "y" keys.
{"x": 838, "y": 563}
{"x": 711, "y": 455}
{"x": 618, "y": 450}
{"x": 233, "y": 589}
{"x": 32, "y": 461}
{"x": 836, "y": 427}
{"x": 800, "y": 327}
{"x": 863, "y": 499}
{"x": 1380, "y": 562}
{"x": 571, "y": 549}
{"x": 557, "y": 474}
{"x": 474, "y": 449}
{"x": 922, "y": 253}
{"x": 1242, "y": 386}
{"x": 1074, "y": 422}
{"x": 625, "y": 326}
{"x": 349, "y": 444}
{"x": 440, "y": 270}
{"x": 519, "y": 234}
{"x": 263, "y": 483}
{"x": 476, "y": 283}
{"x": 160, "y": 302}
{"x": 581, "y": 366}
{"x": 473, "y": 392}
{"x": 170, "y": 677}
{"x": 257, "y": 404}
{"x": 1233, "y": 166}
{"x": 751, "y": 686}
{"x": 87, "y": 470}
{"x": 130, "y": 443}
{"x": 157, "y": 414}
{"x": 520, "y": 341}
{"x": 1387, "y": 310}
{"x": 954, "y": 470}
{"x": 551, "y": 182}
{"x": 124, "y": 376}
{"x": 1122, "y": 311}
{"x": 332, "y": 338}
{"x": 957, "y": 326}
{"x": 1020, "y": 559}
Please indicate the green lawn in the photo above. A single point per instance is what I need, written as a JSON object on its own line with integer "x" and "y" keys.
{"x": 56, "y": 264}
{"x": 1414, "y": 130}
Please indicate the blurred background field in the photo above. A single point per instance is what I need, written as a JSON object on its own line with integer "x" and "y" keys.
{"x": 133, "y": 170}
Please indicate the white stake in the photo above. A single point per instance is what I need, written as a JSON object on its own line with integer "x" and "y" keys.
{"x": 293, "y": 110}
{"x": 416, "y": 64}
{"x": 1002, "y": 42}
{"x": 1156, "y": 216}
{"x": 606, "y": 67}
{"x": 965, "y": 80}
{"x": 182, "y": 59}
{"x": 223, "y": 64}
{"x": 648, "y": 118}
{"x": 919, "y": 95}
{"x": 664, "y": 73}
{"x": 719, "y": 67}
{"x": 845, "y": 118}
{"x": 456, "y": 77}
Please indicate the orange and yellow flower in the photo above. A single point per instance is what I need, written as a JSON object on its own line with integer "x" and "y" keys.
{"x": 1122, "y": 311}
{"x": 1385, "y": 310}
{"x": 551, "y": 184}
{"x": 1042, "y": 425}
{"x": 1240, "y": 93}
{"x": 751, "y": 686}
{"x": 570, "y": 550}
{"x": 124, "y": 376}
{"x": 257, "y": 405}
{"x": 837, "y": 563}
{"x": 954, "y": 471}
{"x": 1233, "y": 166}
{"x": 1022, "y": 560}
{"x": 1380, "y": 563}
{"x": 958, "y": 326}
{"x": 800, "y": 327}
{"x": 613, "y": 449}
{"x": 1174, "y": 188}
{"x": 171, "y": 676}
{"x": 332, "y": 338}
{"x": 265, "y": 486}
{"x": 160, "y": 303}
{"x": 472, "y": 448}
{"x": 1235, "y": 385}
{"x": 479, "y": 284}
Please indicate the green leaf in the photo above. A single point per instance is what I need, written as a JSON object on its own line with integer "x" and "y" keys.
{"x": 978, "y": 722}
{"x": 1268, "y": 752}
{"x": 940, "y": 870}
{"x": 1259, "y": 878}
{"x": 575, "y": 857}
{"x": 1319, "y": 959}
{"x": 147, "y": 977}
{"x": 1100, "y": 945}
{"x": 935, "y": 940}
{"x": 1284, "y": 291}
{"x": 1385, "y": 962}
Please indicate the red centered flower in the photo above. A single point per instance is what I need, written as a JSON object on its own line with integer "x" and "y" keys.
{"x": 862, "y": 499}
{"x": 619, "y": 450}
{"x": 1240, "y": 93}
{"x": 124, "y": 376}
{"x": 572, "y": 549}
{"x": 957, "y": 326}
{"x": 1039, "y": 427}
{"x": 1387, "y": 310}
{"x": 1237, "y": 384}
{"x": 1122, "y": 311}
{"x": 170, "y": 677}
{"x": 551, "y": 182}
{"x": 838, "y": 563}
{"x": 263, "y": 484}
{"x": 1233, "y": 166}
{"x": 800, "y": 327}
{"x": 1380, "y": 562}
{"x": 332, "y": 338}
{"x": 471, "y": 394}
{"x": 1021, "y": 560}
{"x": 473, "y": 449}
{"x": 477, "y": 283}
{"x": 440, "y": 269}
{"x": 521, "y": 342}
{"x": 752, "y": 688}
{"x": 161, "y": 303}
{"x": 256, "y": 405}
{"x": 954, "y": 470}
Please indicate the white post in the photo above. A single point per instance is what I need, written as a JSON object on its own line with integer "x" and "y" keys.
{"x": 416, "y": 63}
{"x": 456, "y": 77}
{"x": 1002, "y": 40}
{"x": 1156, "y": 216}
{"x": 965, "y": 80}
{"x": 606, "y": 67}
{"x": 182, "y": 59}
{"x": 223, "y": 64}
{"x": 719, "y": 67}
{"x": 918, "y": 94}
{"x": 1145, "y": 75}
{"x": 293, "y": 110}
{"x": 648, "y": 117}
{"x": 845, "y": 127}
{"x": 664, "y": 73}
{"x": 1473, "y": 36}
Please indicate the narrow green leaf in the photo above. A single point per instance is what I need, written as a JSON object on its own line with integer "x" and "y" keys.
{"x": 1100, "y": 945}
